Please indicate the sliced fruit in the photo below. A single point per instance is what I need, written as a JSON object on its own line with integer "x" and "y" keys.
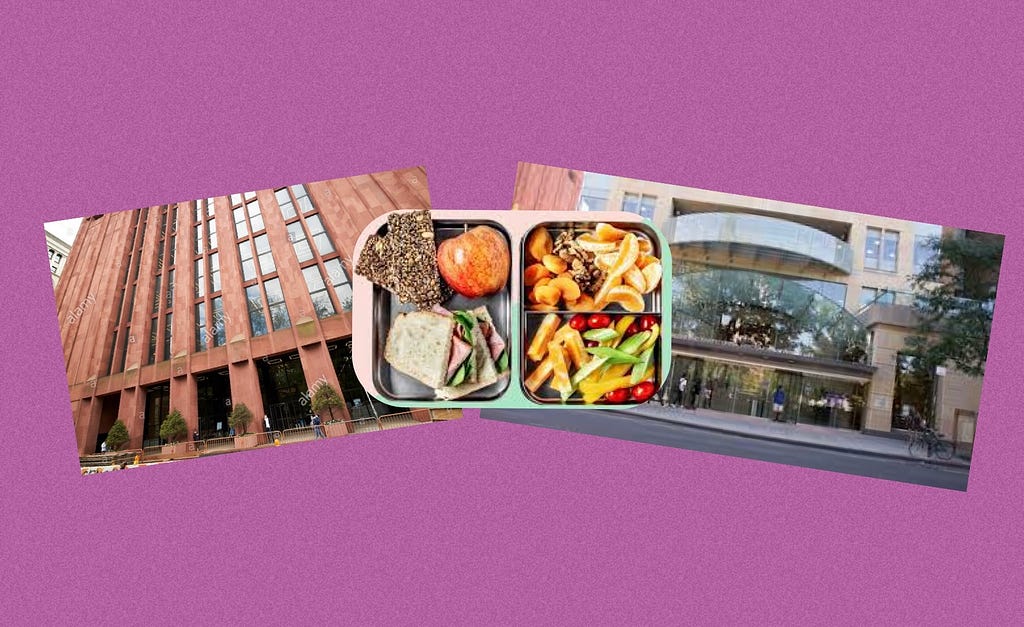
{"x": 599, "y": 321}
{"x": 642, "y": 392}
{"x": 630, "y": 299}
{"x": 534, "y": 273}
{"x": 539, "y": 244}
{"x": 554, "y": 264}
{"x": 645, "y": 245}
{"x": 560, "y": 370}
{"x": 539, "y": 345}
{"x": 604, "y": 261}
{"x": 567, "y": 287}
{"x": 635, "y": 279}
{"x": 573, "y": 343}
{"x": 543, "y": 307}
{"x": 652, "y": 277}
{"x": 588, "y": 242}
{"x": 578, "y": 322}
{"x": 622, "y": 326}
{"x": 603, "y": 387}
{"x": 608, "y": 233}
{"x": 620, "y": 395}
{"x": 650, "y": 341}
{"x": 601, "y": 335}
{"x": 645, "y": 260}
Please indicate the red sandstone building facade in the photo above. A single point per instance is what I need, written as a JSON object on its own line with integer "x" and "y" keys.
{"x": 200, "y": 305}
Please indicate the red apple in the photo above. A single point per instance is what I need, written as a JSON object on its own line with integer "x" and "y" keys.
{"x": 475, "y": 263}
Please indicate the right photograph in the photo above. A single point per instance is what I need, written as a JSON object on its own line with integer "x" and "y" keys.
{"x": 802, "y": 335}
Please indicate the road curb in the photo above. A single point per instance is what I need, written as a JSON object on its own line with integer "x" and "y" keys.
{"x": 827, "y": 447}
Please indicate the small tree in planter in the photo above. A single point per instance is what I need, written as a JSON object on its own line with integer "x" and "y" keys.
{"x": 173, "y": 429}
{"x": 325, "y": 399}
{"x": 117, "y": 436}
{"x": 239, "y": 420}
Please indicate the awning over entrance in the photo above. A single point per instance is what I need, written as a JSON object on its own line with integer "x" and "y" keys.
{"x": 750, "y": 356}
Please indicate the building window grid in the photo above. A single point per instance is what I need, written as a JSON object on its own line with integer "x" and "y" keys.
{"x": 881, "y": 249}
{"x": 640, "y": 204}
{"x": 207, "y": 283}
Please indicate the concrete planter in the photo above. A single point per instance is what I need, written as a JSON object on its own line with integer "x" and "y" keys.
{"x": 335, "y": 429}
{"x": 174, "y": 450}
{"x": 245, "y": 441}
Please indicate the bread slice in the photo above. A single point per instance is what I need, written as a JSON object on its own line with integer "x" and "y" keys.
{"x": 486, "y": 372}
{"x": 419, "y": 345}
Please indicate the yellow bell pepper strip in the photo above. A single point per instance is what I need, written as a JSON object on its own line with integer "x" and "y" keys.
{"x": 621, "y": 327}
{"x": 547, "y": 328}
{"x": 600, "y": 389}
{"x": 655, "y": 332}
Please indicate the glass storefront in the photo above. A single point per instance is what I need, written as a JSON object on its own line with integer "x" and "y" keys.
{"x": 158, "y": 400}
{"x": 748, "y": 390}
{"x": 213, "y": 391}
{"x": 284, "y": 391}
{"x": 764, "y": 311}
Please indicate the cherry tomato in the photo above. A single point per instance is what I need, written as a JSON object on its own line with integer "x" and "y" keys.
{"x": 599, "y": 321}
{"x": 591, "y": 343}
{"x": 642, "y": 391}
{"x": 578, "y": 322}
{"x": 617, "y": 396}
{"x": 633, "y": 329}
{"x": 647, "y": 322}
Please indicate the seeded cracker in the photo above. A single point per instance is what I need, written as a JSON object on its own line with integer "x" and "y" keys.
{"x": 404, "y": 261}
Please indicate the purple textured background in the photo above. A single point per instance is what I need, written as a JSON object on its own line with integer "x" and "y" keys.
{"x": 912, "y": 112}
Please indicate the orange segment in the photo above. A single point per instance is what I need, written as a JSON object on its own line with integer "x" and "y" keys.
{"x": 652, "y": 277}
{"x": 630, "y": 299}
{"x": 635, "y": 279}
{"x": 588, "y": 242}
{"x": 608, "y": 233}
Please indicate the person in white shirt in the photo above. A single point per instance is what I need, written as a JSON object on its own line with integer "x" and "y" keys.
{"x": 680, "y": 392}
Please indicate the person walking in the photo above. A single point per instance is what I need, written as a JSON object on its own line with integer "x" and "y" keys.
{"x": 680, "y": 392}
{"x": 318, "y": 431}
{"x": 695, "y": 395}
{"x": 706, "y": 396}
{"x": 778, "y": 403}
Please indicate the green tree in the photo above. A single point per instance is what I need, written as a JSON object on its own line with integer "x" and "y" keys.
{"x": 173, "y": 428}
{"x": 240, "y": 418}
{"x": 326, "y": 397}
{"x": 117, "y": 436}
{"x": 956, "y": 290}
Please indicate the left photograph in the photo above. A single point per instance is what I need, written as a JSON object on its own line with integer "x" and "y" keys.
{"x": 220, "y": 324}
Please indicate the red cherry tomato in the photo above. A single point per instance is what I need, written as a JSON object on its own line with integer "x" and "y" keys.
{"x": 599, "y": 321}
{"x": 642, "y": 391}
{"x": 591, "y": 343}
{"x": 617, "y": 396}
{"x": 633, "y": 329}
{"x": 578, "y": 322}
{"x": 647, "y": 322}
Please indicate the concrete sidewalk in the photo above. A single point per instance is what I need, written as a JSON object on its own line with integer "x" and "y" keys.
{"x": 803, "y": 434}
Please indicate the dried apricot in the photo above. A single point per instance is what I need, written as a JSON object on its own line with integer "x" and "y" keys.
{"x": 533, "y": 273}
{"x": 547, "y": 294}
{"x": 567, "y": 287}
{"x": 584, "y": 303}
{"x": 539, "y": 244}
{"x": 554, "y": 264}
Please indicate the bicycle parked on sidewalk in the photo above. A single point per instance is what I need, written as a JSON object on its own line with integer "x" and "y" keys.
{"x": 927, "y": 442}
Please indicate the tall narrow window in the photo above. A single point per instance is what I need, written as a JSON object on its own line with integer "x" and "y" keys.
{"x": 167, "y": 335}
{"x": 172, "y": 252}
{"x": 248, "y": 265}
{"x": 285, "y": 202}
{"x": 318, "y": 292}
{"x": 211, "y": 234}
{"x": 321, "y": 240}
{"x": 241, "y": 229}
{"x": 255, "y": 216}
{"x": 156, "y": 293}
{"x": 201, "y": 334}
{"x": 257, "y": 319}
{"x": 297, "y": 237}
{"x": 338, "y": 278}
{"x": 217, "y": 321}
{"x": 214, "y": 273}
{"x": 266, "y": 259}
{"x": 881, "y": 249}
{"x": 200, "y": 281}
{"x": 275, "y": 301}
{"x": 301, "y": 197}
{"x": 170, "y": 288}
{"x": 198, "y": 232}
{"x": 153, "y": 335}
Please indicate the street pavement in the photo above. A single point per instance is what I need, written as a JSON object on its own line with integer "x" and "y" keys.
{"x": 653, "y": 424}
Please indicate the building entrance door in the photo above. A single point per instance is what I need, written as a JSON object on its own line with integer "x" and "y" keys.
{"x": 158, "y": 401}
{"x": 284, "y": 391}
{"x": 213, "y": 390}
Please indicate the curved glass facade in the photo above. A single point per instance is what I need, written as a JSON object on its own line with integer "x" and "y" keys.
{"x": 763, "y": 311}
{"x": 784, "y": 238}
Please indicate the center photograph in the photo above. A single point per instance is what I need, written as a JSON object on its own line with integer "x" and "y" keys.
{"x": 509, "y": 309}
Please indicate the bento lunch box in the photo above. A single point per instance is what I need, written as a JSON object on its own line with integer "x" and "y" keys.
{"x": 515, "y": 315}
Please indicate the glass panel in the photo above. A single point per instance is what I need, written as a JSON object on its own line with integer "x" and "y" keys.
{"x": 201, "y": 334}
{"x": 337, "y": 277}
{"x": 198, "y": 247}
{"x": 306, "y": 205}
{"x": 214, "y": 273}
{"x": 250, "y": 195}
{"x": 275, "y": 300}
{"x": 298, "y": 239}
{"x": 209, "y": 207}
{"x": 285, "y": 202}
{"x": 217, "y": 321}
{"x": 156, "y": 294}
{"x": 200, "y": 276}
{"x": 211, "y": 226}
{"x": 240, "y": 227}
{"x": 236, "y": 199}
{"x": 168, "y": 319}
{"x": 154, "y": 333}
{"x": 255, "y": 217}
{"x": 647, "y": 207}
{"x": 923, "y": 252}
{"x": 872, "y": 248}
{"x": 266, "y": 259}
{"x": 890, "y": 246}
{"x": 320, "y": 238}
{"x": 170, "y": 288}
{"x": 171, "y": 252}
{"x": 631, "y": 203}
{"x": 248, "y": 266}
{"x": 257, "y": 320}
